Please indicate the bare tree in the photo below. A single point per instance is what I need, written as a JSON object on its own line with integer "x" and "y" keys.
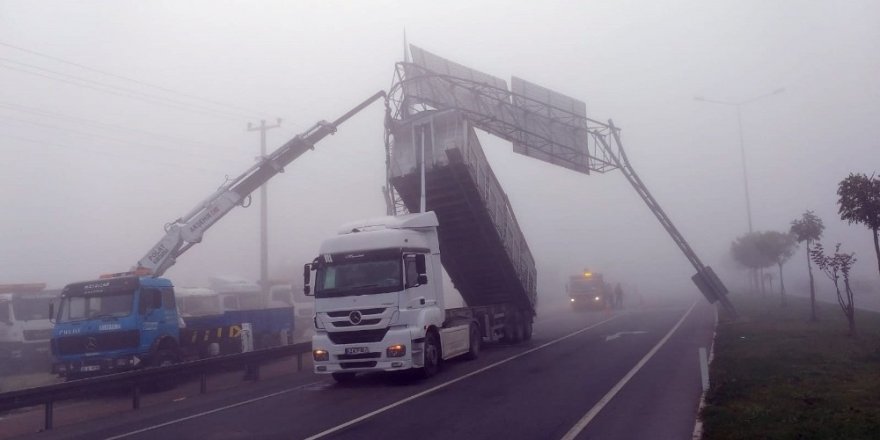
{"x": 859, "y": 202}
{"x": 808, "y": 229}
{"x": 777, "y": 247}
{"x": 838, "y": 266}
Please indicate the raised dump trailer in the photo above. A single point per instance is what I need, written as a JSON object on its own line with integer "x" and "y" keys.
{"x": 484, "y": 250}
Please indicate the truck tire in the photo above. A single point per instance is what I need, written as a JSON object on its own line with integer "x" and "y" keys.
{"x": 513, "y": 329}
{"x": 527, "y": 322}
{"x": 475, "y": 341}
{"x": 343, "y": 377}
{"x": 520, "y": 327}
{"x": 432, "y": 354}
{"x": 163, "y": 358}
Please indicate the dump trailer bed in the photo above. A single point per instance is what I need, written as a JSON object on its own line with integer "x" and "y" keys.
{"x": 481, "y": 244}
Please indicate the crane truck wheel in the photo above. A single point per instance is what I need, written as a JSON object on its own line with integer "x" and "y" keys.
{"x": 432, "y": 354}
{"x": 475, "y": 341}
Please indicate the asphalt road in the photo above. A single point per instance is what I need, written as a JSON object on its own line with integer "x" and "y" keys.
{"x": 585, "y": 375}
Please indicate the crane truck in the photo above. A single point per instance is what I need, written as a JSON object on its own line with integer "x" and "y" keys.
{"x": 380, "y": 298}
{"x": 128, "y": 320}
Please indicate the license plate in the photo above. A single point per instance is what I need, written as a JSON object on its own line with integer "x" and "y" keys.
{"x": 90, "y": 368}
{"x": 356, "y": 350}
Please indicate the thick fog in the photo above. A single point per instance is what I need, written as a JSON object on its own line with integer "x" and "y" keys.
{"x": 93, "y": 165}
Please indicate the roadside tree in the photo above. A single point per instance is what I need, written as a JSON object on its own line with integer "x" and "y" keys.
{"x": 778, "y": 247}
{"x": 837, "y": 267}
{"x": 746, "y": 251}
{"x": 809, "y": 229}
{"x": 859, "y": 202}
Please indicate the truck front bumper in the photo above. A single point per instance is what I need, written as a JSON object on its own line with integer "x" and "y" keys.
{"x": 367, "y": 356}
{"x": 95, "y": 365}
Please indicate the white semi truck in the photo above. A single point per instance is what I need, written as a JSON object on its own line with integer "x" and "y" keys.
{"x": 25, "y": 327}
{"x": 380, "y": 298}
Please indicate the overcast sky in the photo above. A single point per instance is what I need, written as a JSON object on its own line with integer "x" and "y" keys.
{"x": 94, "y": 165}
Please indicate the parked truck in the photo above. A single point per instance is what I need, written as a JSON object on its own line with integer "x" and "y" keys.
{"x": 380, "y": 299}
{"x": 25, "y": 327}
{"x": 123, "y": 322}
{"x": 233, "y": 300}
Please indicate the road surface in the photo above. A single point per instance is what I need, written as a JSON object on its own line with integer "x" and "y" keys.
{"x": 585, "y": 375}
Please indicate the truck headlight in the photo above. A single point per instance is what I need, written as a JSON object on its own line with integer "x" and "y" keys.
{"x": 320, "y": 355}
{"x": 396, "y": 350}
{"x": 572, "y": 300}
{"x": 597, "y": 298}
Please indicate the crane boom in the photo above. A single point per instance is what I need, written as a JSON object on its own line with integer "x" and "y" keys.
{"x": 186, "y": 231}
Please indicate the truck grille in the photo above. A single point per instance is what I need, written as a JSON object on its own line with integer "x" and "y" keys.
{"x": 98, "y": 342}
{"x": 345, "y": 313}
{"x": 365, "y": 364}
{"x": 358, "y": 337}
{"x": 351, "y": 357}
{"x": 37, "y": 335}
{"x": 349, "y": 324}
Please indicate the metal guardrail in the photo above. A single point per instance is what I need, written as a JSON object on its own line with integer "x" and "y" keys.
{"x": 138, "y": 379}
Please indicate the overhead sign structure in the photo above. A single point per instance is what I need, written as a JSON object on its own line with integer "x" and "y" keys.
{"x": 540, "y": 123}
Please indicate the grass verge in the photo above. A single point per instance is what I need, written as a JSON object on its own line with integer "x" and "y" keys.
{"x": 776, "y": 375}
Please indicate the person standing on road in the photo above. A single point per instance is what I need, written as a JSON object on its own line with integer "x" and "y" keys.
{"x": 618, "y": 297}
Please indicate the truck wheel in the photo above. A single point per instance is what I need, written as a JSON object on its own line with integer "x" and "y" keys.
{"x": 520, "y": 327}
{"x": 513, "y": 331}
{"x": 162, "y": 358}
{"x": 432, "y": 356}
{"x": 527, "y": 323}
{"x": 343, "y": 377}
{"x": 476, "y": 340}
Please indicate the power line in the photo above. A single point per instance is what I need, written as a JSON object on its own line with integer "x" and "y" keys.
{"x": 143, "y": 83}
{"x": 93, "y": 135}
{"x": 46, "y": 113}
{"x": 129, "y": 93}
{"x": 108, "y": 154}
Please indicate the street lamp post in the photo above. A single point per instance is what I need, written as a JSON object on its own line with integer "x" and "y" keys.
{"x": 742, "y": 149}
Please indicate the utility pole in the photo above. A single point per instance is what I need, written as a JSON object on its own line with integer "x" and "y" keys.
{"x": 264, "y": 207}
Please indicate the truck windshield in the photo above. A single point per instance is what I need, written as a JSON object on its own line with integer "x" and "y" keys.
{"x": 359, "y": 278}
{"x": 116, "y": 304}
{"x": 29, "y": 308}
{"x": 584, "y": 286}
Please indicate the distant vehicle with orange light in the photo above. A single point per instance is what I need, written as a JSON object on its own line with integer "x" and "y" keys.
{"x": 588, "y": 290}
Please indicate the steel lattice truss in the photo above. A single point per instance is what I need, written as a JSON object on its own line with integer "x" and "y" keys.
{"x": 539, "y": 122}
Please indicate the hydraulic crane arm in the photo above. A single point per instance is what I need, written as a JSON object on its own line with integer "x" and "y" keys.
{"x": 186, "y": 231}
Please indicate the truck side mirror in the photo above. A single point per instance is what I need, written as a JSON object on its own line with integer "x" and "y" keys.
{"x": 421, "y": 269}
{"x": 307, "y": 279}
{"x": 51, "y": 312}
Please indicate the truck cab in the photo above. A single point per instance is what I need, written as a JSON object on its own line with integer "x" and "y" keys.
{"x": 25, "y": 324}
{"x": 379, "y": 303}
{"x": 115, "y": 324}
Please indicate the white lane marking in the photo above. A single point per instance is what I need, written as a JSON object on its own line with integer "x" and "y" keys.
{"x": 222, "y": 408}
{"x": 619, "y": 334}
{"x": 704, "y": 367}
{"x": 582, "y": 423}
{"x": 446, "y": 384}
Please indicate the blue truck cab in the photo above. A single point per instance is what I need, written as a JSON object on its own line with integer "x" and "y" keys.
{"x": 115, "y": 324}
